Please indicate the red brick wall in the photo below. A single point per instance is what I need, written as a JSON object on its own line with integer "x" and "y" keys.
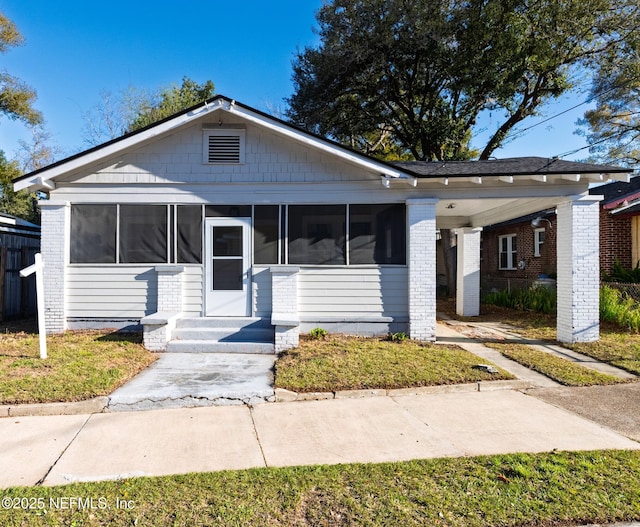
{"x": 615, "y": 241}
{"x": 534, "y": 265}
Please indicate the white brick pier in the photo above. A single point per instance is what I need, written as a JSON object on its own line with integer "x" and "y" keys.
{"x": 578, "y": 270}
{"x": 284, "y": 306}
{"x": 55, "y": 249}
{"x": 421, "y": 220}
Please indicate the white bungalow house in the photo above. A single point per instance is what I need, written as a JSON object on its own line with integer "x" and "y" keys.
{"x": 224, "y": 215}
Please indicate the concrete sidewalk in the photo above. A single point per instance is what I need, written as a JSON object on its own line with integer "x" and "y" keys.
{"x": 53, "y": 450}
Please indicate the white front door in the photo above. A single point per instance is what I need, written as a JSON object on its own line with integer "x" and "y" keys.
{"x": 228, "y": 267}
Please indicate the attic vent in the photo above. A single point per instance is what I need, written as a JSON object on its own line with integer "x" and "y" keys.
{"x": 224, "y": 147}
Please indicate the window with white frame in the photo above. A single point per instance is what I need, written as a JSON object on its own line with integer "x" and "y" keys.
{"x": 508, "y": 251}
{"x": 538, "y": 241}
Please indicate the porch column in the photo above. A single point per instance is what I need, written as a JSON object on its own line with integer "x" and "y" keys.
{"x": 421, "y": 237}
{"x": 284, "y": 306}
{"x": 54, "y": 247}
{"x": 170, "y": 278}
{"x": 468, "y": 273}
{"x": 578, "y": 270}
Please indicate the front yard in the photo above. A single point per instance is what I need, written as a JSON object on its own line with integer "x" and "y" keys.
{"x": 80, "y": 364}
{"x": 545, "y": 489}
{"x": 86, "y": 364}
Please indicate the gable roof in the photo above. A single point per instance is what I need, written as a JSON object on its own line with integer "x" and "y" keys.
{"x": 537, "y": 167}
{"x": 42, "y": 177}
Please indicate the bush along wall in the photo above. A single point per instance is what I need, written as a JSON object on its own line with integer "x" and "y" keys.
{"x": 538, "y": 298}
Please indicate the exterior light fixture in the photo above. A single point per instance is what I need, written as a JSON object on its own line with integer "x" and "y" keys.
{"x": 537, "y": 222}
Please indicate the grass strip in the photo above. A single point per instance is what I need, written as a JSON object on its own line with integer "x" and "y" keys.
{"x": 616, "y": 347}
{"x": 80, "y": 365}
{"x": 349, "y": 363}
{"x": 561, "y": 370}
{"x": 556, "y": 488}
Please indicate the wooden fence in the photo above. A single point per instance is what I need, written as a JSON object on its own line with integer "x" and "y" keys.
{"x": 17, "y": 295}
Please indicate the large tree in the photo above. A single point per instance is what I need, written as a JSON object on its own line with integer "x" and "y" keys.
{"x": 613, "y": 126}
{"x": 134, "y": 108}
{"x": 23, "y": 203}
{"x": 16, "y": 97}
{"x": 409, "y": 78}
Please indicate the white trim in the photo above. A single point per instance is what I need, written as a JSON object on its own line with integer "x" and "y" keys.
{"x": 537, "y": 244}
{"x": 512, "y": 255}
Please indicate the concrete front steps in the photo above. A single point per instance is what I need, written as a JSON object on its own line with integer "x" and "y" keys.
{"x": 222, "y": 335}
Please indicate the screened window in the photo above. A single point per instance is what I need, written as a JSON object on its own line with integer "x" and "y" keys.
{"x": 508, "y": 251}
{"x": 317, "y": 234}
{"x": 265, "y": 234}
{"x": 189, "y": 233}
{"x": 93, "y": 233}
{"x": 377, "y": 234}
{"x": 143, "y": 234}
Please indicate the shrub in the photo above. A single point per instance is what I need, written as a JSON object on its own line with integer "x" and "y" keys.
{"x": 400, "y": 336}
{"x": 538, "y": 298}
{"x": 318, "y": 334}
{"x": 618, "y": 308}
{"x": 620, "y": 274}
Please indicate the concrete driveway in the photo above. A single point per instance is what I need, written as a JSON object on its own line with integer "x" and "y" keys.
{"x": 616, "y": 407}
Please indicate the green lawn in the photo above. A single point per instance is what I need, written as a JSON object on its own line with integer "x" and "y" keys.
{"x": 80, "y": 365}
{"x": 617, "y": 347}
{"x": 546, "y": 489}
{"x": 561, "y": 370}
{"x": 349, "y": 363}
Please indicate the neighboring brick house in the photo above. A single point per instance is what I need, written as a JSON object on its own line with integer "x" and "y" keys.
{"x": 619, "y": 223}
{"x": 521, "y": 251}
{"x": 516, "y": 253}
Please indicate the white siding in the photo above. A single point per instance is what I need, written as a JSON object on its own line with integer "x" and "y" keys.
{"x": 192, "y": 291}
{"x": 352, "y": 292}
{"x": 124, "y": 291}
{"x": 120, "y": 291}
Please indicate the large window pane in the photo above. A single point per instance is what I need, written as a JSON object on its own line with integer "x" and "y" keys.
{"x": 227, "y": 275}
{"x": 227, "y": 241}
{"x": 377, "y": 234}
{"x": 189, "y": 234}
{"x": 93, "y": 233}
{"x": 265, "y": 234}
{"x": 317, "y": 234}
{"x": 143, "y": 233}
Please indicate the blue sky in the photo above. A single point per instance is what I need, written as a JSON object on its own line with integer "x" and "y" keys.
{"x": 75, "y": 50}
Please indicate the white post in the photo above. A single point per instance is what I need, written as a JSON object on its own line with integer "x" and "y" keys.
{"x": 37, "y": 268}
{"x": 468, "y": 274}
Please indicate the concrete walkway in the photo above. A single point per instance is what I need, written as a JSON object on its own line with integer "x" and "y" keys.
{"x": 54, "y": 450}
{"x": 178, "y": 380}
